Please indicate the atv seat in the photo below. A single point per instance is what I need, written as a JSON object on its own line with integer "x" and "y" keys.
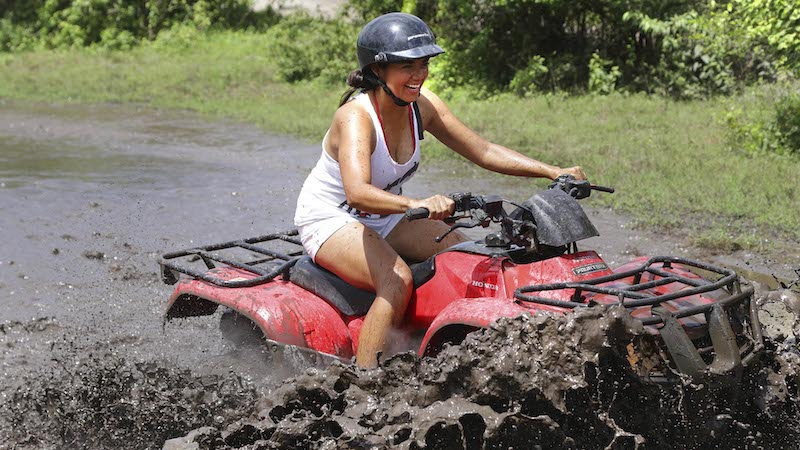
{"x": 348, "y": 299}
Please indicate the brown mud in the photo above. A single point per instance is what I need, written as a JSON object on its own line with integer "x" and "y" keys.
{"x": 91, "y": 195}
{"x": 88, "y": 396}
{"x": 549, "y": 381}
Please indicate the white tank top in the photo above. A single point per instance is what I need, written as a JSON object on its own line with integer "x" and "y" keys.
{"x": 322, "y": 195}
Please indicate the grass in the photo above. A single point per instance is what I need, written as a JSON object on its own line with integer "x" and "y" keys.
{"x": 671, "y": 162}
{"x": 224, "y": 74}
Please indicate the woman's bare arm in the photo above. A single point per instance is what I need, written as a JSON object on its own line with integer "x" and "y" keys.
{"x": 356, "y": 140}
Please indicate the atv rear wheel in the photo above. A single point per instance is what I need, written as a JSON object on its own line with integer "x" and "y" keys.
{"x": 284, "y": 358}
{"x": 239, "y": 330}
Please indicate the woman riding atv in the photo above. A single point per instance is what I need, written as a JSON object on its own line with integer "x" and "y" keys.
{"x": 350, "y": 209}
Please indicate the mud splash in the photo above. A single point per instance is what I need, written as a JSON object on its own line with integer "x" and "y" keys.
{"x": 549, "y": 381}
{"x": 528, "y": 382}
{"x": 89, "y": 397}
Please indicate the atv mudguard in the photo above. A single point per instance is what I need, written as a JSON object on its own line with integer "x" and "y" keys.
{"x": 559, "y": 218}
{"x": 283, "y": 311}
{"x": 474, "y": 313}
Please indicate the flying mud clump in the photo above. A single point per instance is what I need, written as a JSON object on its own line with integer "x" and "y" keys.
{"x": 549, "y": 381}
{"x": 100, "y": 401}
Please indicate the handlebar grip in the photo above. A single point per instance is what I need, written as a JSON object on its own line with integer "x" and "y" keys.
{"x": 595, "y": 187}
{"x": 417, "y": 213}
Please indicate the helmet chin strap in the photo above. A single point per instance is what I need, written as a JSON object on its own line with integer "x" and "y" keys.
{"x": 397, "y": 100}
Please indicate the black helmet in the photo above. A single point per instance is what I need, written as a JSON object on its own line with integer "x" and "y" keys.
{"x": 395, "y": 37}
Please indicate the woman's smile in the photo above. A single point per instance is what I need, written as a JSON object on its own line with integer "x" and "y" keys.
{"x": 406, "y": 79}
{"x": 413, "y": 88}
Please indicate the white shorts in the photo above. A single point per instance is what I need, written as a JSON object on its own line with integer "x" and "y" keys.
{"x": 316, "y": 233}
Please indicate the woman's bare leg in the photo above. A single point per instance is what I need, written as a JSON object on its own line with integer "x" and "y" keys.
{"x": 416, "y": 240}
{"x": 361, "y": 257}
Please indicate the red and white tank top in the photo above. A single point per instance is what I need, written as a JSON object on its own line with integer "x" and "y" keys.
{"x": 322, "y": 195}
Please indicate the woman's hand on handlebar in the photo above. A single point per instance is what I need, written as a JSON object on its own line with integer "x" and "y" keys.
{"x": 439, "y": 206}
{"x": 576, "y": 172}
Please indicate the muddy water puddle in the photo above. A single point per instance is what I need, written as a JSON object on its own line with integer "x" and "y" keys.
{"x": 91, "y": 195}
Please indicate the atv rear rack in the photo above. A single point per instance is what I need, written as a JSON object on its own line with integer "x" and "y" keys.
{"x": 267, "y": 264}
{"x": 728, "y": 354}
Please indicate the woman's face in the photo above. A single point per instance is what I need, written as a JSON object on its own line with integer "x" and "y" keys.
{"x": 405, "y": 78}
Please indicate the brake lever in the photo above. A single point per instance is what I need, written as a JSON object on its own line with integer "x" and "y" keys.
{"x": 452, "y": 220}
{"x": 471, "y": 224}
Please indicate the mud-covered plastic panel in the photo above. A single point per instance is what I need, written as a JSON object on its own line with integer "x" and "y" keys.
{"x": 284, "y": 311}
{"x": 559, "y": 218}
{"x": 687, "y": 310}
{"x": 476, "y": 313}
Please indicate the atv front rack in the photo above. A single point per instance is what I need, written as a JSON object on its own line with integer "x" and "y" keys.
{"x": 265, "y": 264}
{"x": 730, "y": 303}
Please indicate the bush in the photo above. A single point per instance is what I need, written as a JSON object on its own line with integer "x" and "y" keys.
{"x": 305, "y": 48}
{"x": 683, "y": 48}
{"x": 14, "y": 37}
{"x": 26, "y": 24}
{"x": 773, "y": 24}
{"x": 365, "y": 10}
{"x": 768, "y": 123}
{"x": 787, "y": 123}
{"x": 602, "y": 75}
{"x": 701, "y": 55}
{"x": 178, "y": 36}
{"x": 532, "y": 79}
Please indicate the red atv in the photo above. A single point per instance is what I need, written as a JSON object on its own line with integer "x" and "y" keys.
{"x": 707, "y": 324}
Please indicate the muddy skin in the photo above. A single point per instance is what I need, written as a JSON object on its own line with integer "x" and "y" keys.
{"x": 91, "y": 195}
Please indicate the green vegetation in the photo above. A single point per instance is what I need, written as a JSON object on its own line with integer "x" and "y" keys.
{"x": 116, "y": 24}
{"x": 725, "y": 168}
{"x": 766, "y": 122}
{"x": 681, "y": 48}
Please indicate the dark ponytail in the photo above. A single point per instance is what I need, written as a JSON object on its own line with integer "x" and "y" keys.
{"x": 359, "y": 79}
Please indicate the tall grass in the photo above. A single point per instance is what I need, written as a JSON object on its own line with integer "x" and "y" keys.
{"x": 671, "y": 161}
{"x": 223, "y": 74}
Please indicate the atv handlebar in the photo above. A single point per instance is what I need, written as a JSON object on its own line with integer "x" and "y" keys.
{"x": 578, "y": 189}
{"x": 518, "y": 227}
{"x": 595, "y": 187}
{"x": 465, "y": 201}
{"x": 417, "y": 213}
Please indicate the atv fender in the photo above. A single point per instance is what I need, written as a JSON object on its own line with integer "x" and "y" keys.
{"x": 284, "y": 312}
{"x": 469, "y": 314}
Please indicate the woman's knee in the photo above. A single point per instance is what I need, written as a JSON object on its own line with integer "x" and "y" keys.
{"x": 405, "y": 278}
{"x": 397, "y": 285}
